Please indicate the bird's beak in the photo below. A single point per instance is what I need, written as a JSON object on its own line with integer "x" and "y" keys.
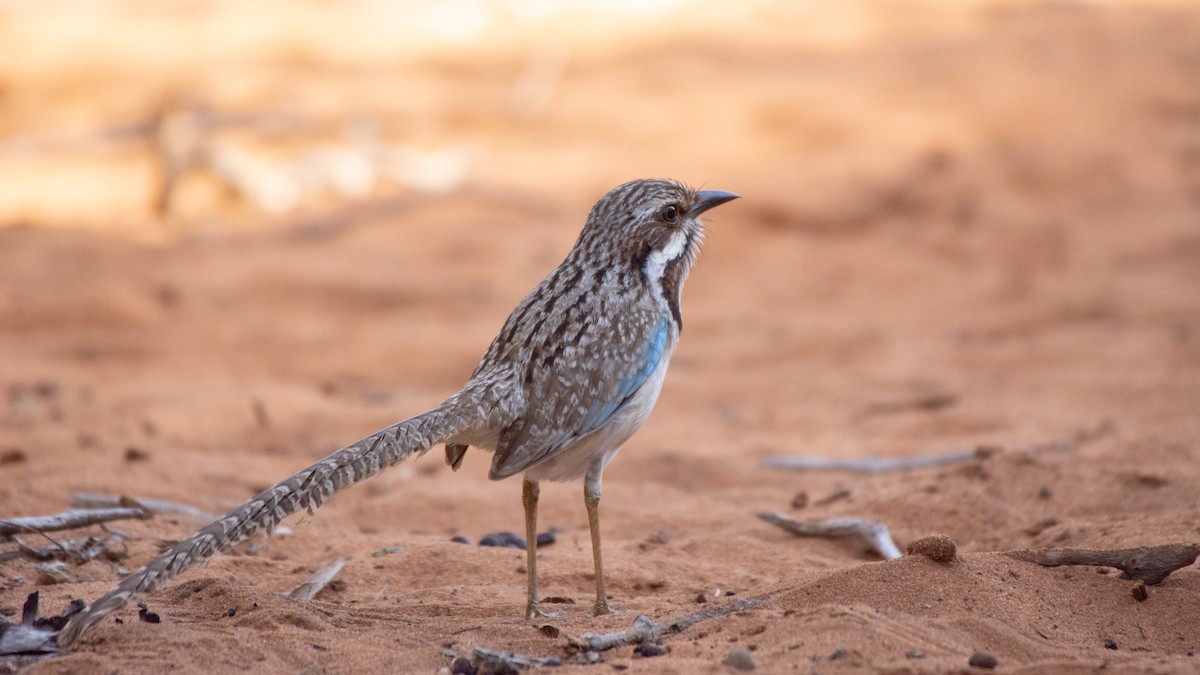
{"x": 707, "y": 199}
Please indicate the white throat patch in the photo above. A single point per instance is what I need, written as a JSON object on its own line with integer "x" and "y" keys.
{"x": 656, "y": 262}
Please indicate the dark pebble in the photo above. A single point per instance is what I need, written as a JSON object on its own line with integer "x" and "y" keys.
{"x": 1140, "y": 593}
{"x": 546, "y": 538}
{"x": 133, "y": 454}
{"x": 47, "y": 388}
{"x": 461, "y": 665}
{"x": 1110, "y": 644}
{"x": 459, "y": 539}
{"x": 503, "y": 539}
{"x": 232, "y": 611}
{"x": 146, "y": 615}
{"x": 982, "y": 660}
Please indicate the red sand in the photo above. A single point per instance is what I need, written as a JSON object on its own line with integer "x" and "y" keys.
{"x": 967, "y": 225}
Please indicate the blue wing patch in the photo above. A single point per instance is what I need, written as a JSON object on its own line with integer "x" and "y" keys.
{"x": 600, "y": 412}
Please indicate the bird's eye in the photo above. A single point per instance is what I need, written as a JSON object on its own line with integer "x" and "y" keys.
{"x": 670, "y": 214}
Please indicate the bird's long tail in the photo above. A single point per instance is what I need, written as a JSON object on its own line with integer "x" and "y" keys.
{"x": 307, "y": 489}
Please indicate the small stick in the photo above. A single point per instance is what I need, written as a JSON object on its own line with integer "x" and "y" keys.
{"x": 875, "y": 534}
{"x": 318, "y": 581}
{"x": 645, "y": 630}
{"x": 87, "y": 500}
{"x": 77, "y": 551}
{"x": 68, "y": 520}
{"x": 871, "y": 464}
{"x": 1150, "y": 564}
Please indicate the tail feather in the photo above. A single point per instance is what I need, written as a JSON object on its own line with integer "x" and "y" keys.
{"x": 307, "y": 489}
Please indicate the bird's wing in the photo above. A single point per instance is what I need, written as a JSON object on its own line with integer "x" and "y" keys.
{"x": 578, "y": 382}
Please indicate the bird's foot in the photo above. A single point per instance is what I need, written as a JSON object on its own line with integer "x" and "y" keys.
{"x": 533, "y": 612}
{"x": 601, "y": 608}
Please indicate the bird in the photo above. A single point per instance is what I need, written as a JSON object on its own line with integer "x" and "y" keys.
{"x": 574, "y": 371}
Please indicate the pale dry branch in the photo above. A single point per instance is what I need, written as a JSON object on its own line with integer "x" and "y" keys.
{"x": 646, "y": 631}
{"x": 871, "y": 464}
{"x": 88, "y": 500}
{"x": 77, "y": 551}
{"x": 874, "y": 534}
{"x": 68, "y": 520}
{"x": 317, "y": 582}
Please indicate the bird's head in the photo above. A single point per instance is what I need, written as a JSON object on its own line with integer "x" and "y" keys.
{"x": 651, "y": 225}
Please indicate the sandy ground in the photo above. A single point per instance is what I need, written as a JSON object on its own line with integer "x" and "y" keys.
{"x": 964, "y": 224}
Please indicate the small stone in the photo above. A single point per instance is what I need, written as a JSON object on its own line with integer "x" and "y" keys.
{"x": 503, "y": 539}
{"x": 146, "y": 615}
{"x": 459, "y": 539}
{"x": 1110, "y": 644}
{"x": 1140, "y": 593}
{"x": 232, "y": 611}
{"x": 740, "y": 659}
{"x": 47, "y": 388}
{"x": 461, "y": 665}
{"x": 546, "y": 538}
{"x": 134, "y": 454}
{"x": 982, "y": 660}
{"x": 936, "y": 547}
{"x": 800, "y": 500}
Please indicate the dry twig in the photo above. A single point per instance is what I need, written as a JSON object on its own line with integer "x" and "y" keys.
{"x": 871, "y": 464}
{"x": 646, "y": 631}
{"x": 87, "y": 500}
{"x": 68, "y": 520}
{"x": 874, "y": 534}
{"x": 77, "y": 551}
{"x": 33, "y": 638}
{"x": 317, "y": 582}
{"x": 1150, "y": 564}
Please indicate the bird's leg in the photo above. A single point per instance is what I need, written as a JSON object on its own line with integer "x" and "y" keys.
{"x": 529, "y": 497}
{"x": 591, "y": 499}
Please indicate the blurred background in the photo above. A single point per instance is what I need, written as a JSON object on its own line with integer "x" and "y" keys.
{"x": 237, "y": 235}
{"x": 123, "y": 114}
{"x": 308, "y": 191}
